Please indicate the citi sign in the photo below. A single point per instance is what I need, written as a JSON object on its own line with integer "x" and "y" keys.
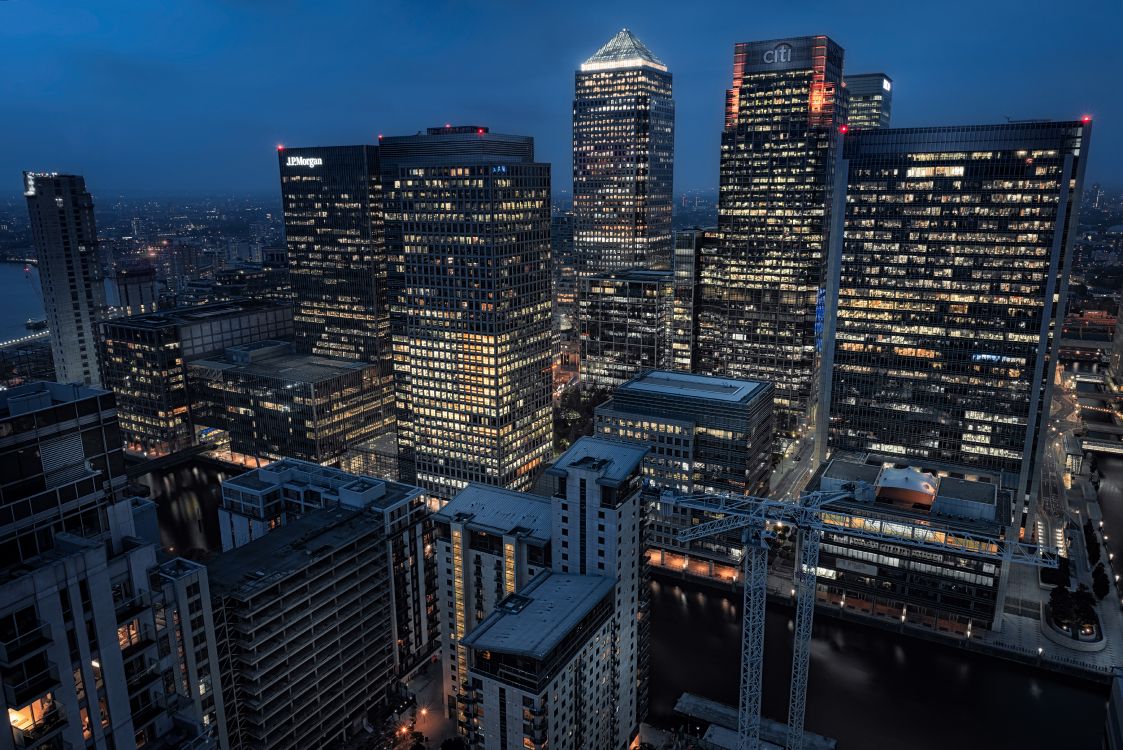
{"x": 781, "y": 53}
{"x": 304, "y": 161}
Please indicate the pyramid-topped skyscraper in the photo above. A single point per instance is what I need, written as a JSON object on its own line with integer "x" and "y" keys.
{"x": 623, "y": 159}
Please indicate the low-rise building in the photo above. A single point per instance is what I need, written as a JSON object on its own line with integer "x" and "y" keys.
{"x": 146, "y": 356}
{"x": 269, "y": 402}
{"x": 950, "y": 590}
{"x": 706, "y": 434}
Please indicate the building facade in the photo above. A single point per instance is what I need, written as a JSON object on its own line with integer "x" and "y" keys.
{"x": 468, "y": 229}
{"x": 271, "y": 403}
{"x": 705, "y": 434}
{"x": 146, "y": 360}
{"x": 275, "y": 495}
{"x": 71, "y": 274}
{"x": 625, "y": 319}
{"x": 684, "y": 319}
{"x": 869, "y": 100}
{"x": 955, "y": 251}
{"x": 949, "y": 591}
{"x": 337, "y": 262}
{"x": 763, "y": 277}
{"x": 80, "y": 628}
{"x": 623, "y": 159}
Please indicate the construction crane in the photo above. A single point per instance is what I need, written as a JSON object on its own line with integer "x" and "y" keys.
{"x": 811, "y": 517}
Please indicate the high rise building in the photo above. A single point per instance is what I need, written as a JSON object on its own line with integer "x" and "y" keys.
{"x": 468, "y": 229}
{"x": 337, "y": 262}
{"x": 623, "y": 159}
{"x": 146, "y": 359}
{"x": 70, "y": 271}
{"x": 763, "y": 276}
{"x": 625, "y": 320}
{"x": 538, "y": 592}
{"x": 684, "y": 320}
{"x": 869, "y": 100}
{"x": 79, "y": 629}
{"x": 564, "y": 264}
{"x": 952, "y": 270}
{"x": 137, "y": 290}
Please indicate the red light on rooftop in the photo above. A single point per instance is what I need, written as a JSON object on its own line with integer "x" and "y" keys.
{"x": 479, "y": 131}
{"x": 380, "y": 136}
{"x": 844, "y": 129}
{"x": 280, "y": 147}
{"x": 1086, "y": 118}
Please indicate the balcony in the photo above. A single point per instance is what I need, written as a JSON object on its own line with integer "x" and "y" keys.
{"x": 38, "y": 733}
{"x": 22, "y": 646}
{"x": 142, "y": 678}
{"x": 132, "y": 608}
{"x": 30, "y": 687}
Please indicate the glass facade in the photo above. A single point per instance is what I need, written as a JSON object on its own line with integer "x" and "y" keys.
{"x": 684, "y": 321}
{"x": 626, "y": 325}
{"x": 869, "y": 100}
{"x": 338, "y": 266}
{"x": 763, "y": 274}
{"x": 623, "y": 159}
{"x": 952, "y": 277}
{"x": 468, "y": 230}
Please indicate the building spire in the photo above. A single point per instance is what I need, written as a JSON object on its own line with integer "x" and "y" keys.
{"x": 624, "y": 50}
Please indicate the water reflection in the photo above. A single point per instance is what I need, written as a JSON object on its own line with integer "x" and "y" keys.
{"x": 869, "y": 688}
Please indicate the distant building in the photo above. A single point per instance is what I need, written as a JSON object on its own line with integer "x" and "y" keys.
{"x": 564, "y": 266}
{"x": 870, "y": 100}
{"x": 70, "y": 271}
{"x": 558, "y": 587}
{"x": 79, "y": 632}
{"x": 253, "y": 281}
{"x": 31, "y": 360}
{"x": 146, "y": 360}
{"x": 137, "y": 290}
{"x": 684, "y": 318}
{"x": 304, "y": 621}
{"x": 625, "y": 320}
{"x": 468, "y": 229}
{"x": 273, "y": 496}
{"x": 942, "y": 344}
{"x": 706, "y": 434}
{"x": 272, "y": 403}
{"x": 949, "y": 591}
{"x": 623, "y": 159}
{"x": 763, "y": 277}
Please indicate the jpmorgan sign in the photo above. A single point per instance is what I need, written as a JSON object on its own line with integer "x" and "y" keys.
{"x": 304, "y": 161}
{"x": 781, "y": 53}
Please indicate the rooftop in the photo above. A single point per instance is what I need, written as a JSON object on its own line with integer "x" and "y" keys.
{"x": 500, "y": 512}
{"x": 624, "y": 50}
{"x": 195, "y": 314}
{"x": 356, "y": 490}
{"x": 686, "y": 385}
{"x": 279, "y": 364}
{"x": 244, "y": 571}
{"x": 613, "y": 461}
{"x": 535, "y": 620}
{"x": 42, "y": 394}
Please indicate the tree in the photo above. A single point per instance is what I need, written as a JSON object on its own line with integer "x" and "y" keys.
{"x": 419, "y": 741}
{"x": 1061, "y": 606}
{"x": 1101, "y": 585}
{"x": 1084, "y": 607}
{"x": 1091, "y": 542}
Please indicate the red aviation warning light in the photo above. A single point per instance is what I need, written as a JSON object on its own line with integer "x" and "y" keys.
{"x": 1086, "y": 119}
{"x": 844, "y": 129}
{"x": 280, "y": 147}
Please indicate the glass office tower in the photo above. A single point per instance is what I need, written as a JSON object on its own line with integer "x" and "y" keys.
{"x": 623, "y": 159}
{"x": 468, "y": 229}
{"x": 869, "y": 100}
{"x": 952, "y": 281}
{"x": 337, "y": 259}
{"x": 626, "y": 325}
{"x": 763, "y": 275}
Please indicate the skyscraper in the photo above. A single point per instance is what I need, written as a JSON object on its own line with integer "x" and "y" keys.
{"x": 763, "y": 276}
{"x": 623, "y": 159}
{"x": 338, "y": 267}
{"x": 468, "y": 230}
{"x": 869, "y": 100}
{"x": 70, "y": 271}
{"x": 952, "y": 279}
{"x": 626, "y": 324}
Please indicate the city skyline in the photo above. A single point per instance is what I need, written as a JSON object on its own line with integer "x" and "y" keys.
{"x": 210, "y": 106}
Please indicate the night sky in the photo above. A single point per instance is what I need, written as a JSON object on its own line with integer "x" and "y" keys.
{"x": 192, "y": 96}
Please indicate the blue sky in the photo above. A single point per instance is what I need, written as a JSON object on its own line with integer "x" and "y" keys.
{"x": 192, "y": 96}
